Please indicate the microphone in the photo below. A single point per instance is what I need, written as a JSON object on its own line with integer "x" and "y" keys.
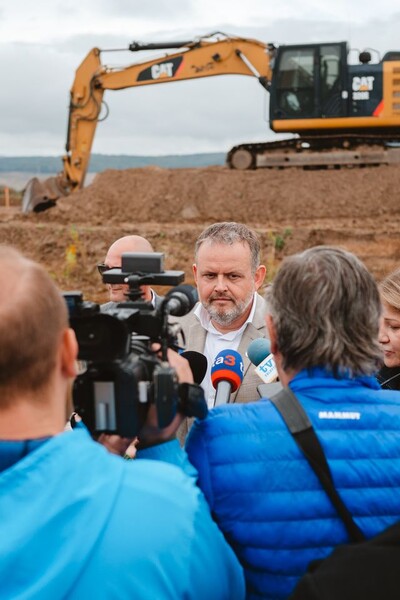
{"x": 198, "y": 364}
{"x": 258, "y": 349}
{"x": 259, "y": 352}
{"x": 180, "y": 300}
{"x": 226, "y": 375}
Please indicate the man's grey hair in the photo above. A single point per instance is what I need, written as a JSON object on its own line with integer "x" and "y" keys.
{"x": 231, "y": 233}
{"x": 325, "y": 307}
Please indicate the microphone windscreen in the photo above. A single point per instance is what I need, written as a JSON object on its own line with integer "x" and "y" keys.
{"x": 184, "y": 294}
{"x": 190, "y": 292}
{"x": 198, "y": 364}
{"x": 227, "y": 366}
{"x": 258, "y": 350}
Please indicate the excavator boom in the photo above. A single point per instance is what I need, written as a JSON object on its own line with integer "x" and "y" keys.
{"x": 213, "y": 55}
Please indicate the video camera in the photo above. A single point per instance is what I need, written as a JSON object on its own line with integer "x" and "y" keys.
{"x": 122, "y": 376}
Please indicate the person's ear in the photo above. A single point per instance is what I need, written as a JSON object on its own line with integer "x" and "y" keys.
{"x": 69, "y": 353}
{"x": 194, "y": 269}
{"x": 259, "y": 276}
{"x": 271, "y": 333}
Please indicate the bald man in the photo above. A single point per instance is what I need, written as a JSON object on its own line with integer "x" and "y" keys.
{"x": 118, "y": 291}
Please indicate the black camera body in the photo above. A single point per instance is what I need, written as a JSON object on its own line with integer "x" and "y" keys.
{"x": 121, "y": 375}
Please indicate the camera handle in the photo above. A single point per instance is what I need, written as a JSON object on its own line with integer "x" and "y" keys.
{"x": 192, "y": 401}
{"x": 166, "y": 396}
{"x": 134, "y": 292}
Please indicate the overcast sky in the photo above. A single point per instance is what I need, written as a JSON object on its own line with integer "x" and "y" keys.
{"x": 43, "y": 42}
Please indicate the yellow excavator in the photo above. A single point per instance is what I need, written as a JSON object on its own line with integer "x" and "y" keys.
{"x": 341, "y": 113}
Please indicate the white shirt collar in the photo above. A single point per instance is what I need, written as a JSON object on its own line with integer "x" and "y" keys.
{"x": 216, "y": 342}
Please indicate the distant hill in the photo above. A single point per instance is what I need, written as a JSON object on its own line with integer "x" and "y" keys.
{"x": 43, "y": 165}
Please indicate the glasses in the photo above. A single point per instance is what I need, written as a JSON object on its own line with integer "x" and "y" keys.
{"x": 101, "y": 267}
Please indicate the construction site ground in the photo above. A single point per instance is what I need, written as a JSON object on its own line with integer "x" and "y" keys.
{"x": 291, "y": 209}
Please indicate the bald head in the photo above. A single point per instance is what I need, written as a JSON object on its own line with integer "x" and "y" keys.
{"x": 128, "y": 243}
{"x": 33, "y": 317}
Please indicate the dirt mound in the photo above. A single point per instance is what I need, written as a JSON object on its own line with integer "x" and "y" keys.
{"x": 215, "y": 194}
{"x": 291, "y": 209}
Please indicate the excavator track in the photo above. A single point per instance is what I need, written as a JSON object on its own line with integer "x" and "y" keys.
{"x": 317, "y": 152}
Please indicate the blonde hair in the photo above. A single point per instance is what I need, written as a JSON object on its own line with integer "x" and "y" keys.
{"x": 389, "y": 289}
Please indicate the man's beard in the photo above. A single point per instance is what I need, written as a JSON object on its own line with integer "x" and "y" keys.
{"x": 226, "y": 316}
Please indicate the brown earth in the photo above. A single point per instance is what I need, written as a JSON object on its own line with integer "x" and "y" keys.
{"x": 291, "y": 209}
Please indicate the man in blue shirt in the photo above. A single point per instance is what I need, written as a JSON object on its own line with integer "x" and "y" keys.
{"x": 77, "y": 521}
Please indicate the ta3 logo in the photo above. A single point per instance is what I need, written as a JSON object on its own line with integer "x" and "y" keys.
{"x": 229, "y": 360}
{"x": 165, "y": 69}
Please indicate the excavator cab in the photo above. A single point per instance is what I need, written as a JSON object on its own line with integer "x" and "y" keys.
{"x": 309, "y": 82}
{"x": 316, "y": 91}
{"x": 343, "y": 112}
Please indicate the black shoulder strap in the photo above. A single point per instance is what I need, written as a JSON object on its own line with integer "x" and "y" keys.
{"x": 303, "y": 432}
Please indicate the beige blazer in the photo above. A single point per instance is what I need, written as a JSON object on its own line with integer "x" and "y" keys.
{"x": 195, "y": 338}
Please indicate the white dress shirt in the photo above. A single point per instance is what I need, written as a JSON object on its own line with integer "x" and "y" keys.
{"x": 215, "y": 343}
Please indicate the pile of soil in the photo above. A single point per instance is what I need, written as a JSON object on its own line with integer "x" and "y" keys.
{"x": 291, "y": 209}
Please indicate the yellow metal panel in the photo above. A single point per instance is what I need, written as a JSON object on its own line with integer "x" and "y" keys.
{"x": 391, "y": 90}
{"x": 294, "y": 125}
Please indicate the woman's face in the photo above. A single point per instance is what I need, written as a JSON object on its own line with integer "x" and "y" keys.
{"x": 389, "y": 335}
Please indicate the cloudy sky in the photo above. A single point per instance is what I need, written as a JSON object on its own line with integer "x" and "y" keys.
{"x": 43, "y": 42}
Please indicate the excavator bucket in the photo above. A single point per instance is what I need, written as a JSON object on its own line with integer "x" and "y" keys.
{"x": 41, "y": 195}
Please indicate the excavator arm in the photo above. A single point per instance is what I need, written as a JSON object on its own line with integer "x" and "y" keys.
{"x": 213, "y": 55}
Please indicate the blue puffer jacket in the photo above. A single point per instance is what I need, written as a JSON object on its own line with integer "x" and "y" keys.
{"x": 268, "y": 501}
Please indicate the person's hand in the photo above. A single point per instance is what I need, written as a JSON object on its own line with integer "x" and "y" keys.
{"x": 151, "y": 434}
{"x": 131, "y": 450}
{"x": 180, "y": 364}
{"x": 117, "y": 444}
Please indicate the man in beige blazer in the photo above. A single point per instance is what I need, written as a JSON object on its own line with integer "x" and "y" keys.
{"x": 195, "y": 337}
{"x": 231, "y": 313}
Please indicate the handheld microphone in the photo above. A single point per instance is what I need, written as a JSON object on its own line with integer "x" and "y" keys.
{"x": 180, "y": 300}
{"x": 198, "y": 364}
{"x": 259, "y": 352}
{"x": 226, "y": 375}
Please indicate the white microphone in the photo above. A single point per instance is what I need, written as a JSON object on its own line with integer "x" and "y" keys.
{"x": 259, "y": 352}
